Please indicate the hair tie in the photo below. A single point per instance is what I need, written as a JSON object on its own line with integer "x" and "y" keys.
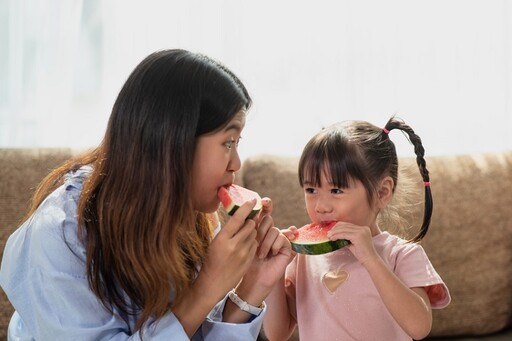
{"x": 426, "y": 183}
{"x": 385, "y": 130}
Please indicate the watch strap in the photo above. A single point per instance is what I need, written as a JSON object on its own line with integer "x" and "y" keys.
{"x": 243, "y": 305}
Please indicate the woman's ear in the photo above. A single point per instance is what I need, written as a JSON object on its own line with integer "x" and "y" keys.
{"x": 385, "y": 192}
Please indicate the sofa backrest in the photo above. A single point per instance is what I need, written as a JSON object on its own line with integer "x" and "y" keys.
{"x": 469, "y": 242}
{"x": 470, "y": 236}
{"x": 21, "y": 170}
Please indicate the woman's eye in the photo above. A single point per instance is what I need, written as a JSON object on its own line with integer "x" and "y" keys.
{"x": 309, "y": 190}
{"x": 336, "y": 191}
{"x": 229, "y": 144}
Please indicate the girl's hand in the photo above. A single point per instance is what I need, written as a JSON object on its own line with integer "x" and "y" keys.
{"x": 291, "y": 233}
{"x": 266, "y": 209}
{"x": 360, "y": 237}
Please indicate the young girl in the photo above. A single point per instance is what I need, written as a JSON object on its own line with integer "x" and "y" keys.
{"x": 123, "y": 243}
{"x": 380, "y": 287}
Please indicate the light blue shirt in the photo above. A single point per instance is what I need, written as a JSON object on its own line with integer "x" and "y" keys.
{"x": 43, "y": 273}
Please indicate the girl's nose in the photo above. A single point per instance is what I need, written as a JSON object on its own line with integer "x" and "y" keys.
{"x": 323, "y": 206}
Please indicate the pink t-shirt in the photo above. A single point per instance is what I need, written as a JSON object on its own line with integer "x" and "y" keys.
{"x": 333, "y": 297}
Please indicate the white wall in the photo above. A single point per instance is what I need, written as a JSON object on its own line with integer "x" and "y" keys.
{"x": 443, "y": 66}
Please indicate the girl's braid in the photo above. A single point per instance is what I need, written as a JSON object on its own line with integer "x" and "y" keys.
{"x": 394, "y": 123}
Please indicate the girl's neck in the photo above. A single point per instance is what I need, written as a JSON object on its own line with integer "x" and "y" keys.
{"x": 375, "y": 230}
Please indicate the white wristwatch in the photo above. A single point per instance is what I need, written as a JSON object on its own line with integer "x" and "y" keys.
{"x": 244, "y": 305}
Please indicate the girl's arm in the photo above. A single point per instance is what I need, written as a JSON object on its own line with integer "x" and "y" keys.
{"x": 278, "y": 323}
{"x": 409, "y": 307}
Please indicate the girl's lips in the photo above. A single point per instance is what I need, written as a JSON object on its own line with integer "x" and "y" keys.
{"x": 325, "y": 222}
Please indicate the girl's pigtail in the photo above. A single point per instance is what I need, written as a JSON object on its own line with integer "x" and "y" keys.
{"x": 420, "y": 160}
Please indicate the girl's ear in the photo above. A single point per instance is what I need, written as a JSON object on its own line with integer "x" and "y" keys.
{"x": 385, "y": 192}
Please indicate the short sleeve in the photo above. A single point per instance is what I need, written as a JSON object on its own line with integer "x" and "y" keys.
{"x": 414, "y": 268}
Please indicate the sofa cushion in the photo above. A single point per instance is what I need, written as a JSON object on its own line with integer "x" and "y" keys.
{"x": 470, "y": 236}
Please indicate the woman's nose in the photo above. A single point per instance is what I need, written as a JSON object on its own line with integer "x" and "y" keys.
{"x": 234, "y": 163}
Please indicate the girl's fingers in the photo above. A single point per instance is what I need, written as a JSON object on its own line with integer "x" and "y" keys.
{"x": 266, "y": 206}
{"x": 291, "y": 233}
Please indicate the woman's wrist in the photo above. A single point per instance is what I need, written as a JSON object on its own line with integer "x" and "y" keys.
{"x": 244, "y": 305}
{"x": 251, "y": 296}
{"x": 253, "y": 293}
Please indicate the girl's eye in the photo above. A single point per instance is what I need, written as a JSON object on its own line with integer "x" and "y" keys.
{"x": 336, "y": 191}
{"x": 229, "y": 144}
{"x": 309, "y": 190}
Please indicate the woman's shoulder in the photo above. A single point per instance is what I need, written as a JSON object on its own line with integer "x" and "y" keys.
{"x": 51, "y": 231}
{"x": 75, "y": 179}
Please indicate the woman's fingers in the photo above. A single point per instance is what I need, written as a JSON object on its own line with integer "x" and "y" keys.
{"x": 239, "y": 219}
{"x": 268, "y": 242}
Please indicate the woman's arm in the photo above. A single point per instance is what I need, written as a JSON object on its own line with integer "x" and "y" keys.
{"x": 229, "y": 256}
{"x": 273, "y": 255}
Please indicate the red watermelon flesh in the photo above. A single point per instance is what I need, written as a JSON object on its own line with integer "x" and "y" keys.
{"x": 312, "y": 239}
{"x": 233, "y": 196}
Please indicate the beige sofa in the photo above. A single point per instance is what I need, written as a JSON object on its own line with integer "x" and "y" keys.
{"x": 470, "y": 242}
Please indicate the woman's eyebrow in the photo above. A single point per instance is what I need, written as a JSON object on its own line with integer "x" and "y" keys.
{"x": 233, "y": 126}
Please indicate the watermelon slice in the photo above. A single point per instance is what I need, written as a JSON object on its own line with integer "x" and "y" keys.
{"x": 312, "y": 239}
{"x": 233, "y": 196}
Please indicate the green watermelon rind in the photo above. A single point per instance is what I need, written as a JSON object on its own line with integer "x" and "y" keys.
{"x": 233, "y": 206}
{"x": 319, "y": 248}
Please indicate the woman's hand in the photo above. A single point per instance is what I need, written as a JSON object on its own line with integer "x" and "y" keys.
{"x": 274, "y": 249}
{"x": 230, "y": 254}
{"x": 274, "y": 253}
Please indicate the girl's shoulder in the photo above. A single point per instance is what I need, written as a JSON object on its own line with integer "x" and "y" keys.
{"x": 392, "y": 246}
{"x": 386, "y": 238}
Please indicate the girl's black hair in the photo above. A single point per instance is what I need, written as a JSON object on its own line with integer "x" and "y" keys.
{"x": 362, "y": 151}
{"x": 422, "y": 165}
